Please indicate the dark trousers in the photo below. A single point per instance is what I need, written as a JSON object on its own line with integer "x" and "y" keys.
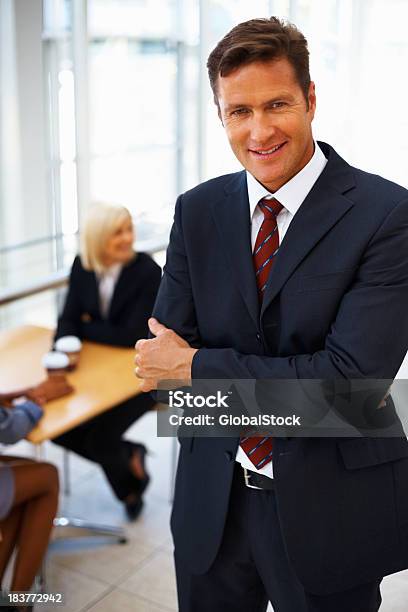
{"x": 252, "y": 567}
{"x": 100, "y": 440}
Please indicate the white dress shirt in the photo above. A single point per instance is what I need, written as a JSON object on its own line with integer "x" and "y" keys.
{"x": 106, "y": 286}
{"x": 291, "y": 195}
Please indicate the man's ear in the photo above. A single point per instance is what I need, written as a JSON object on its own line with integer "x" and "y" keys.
{"x": 312, "y": 100}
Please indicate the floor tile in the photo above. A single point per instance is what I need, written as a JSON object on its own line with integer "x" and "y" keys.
{"x": 125, "y": 602}
{"x": 154, "y": 581}
{"x": 153, "y": 525}
{"x": 109, "y": 563}
{"x": 78, "y": 590}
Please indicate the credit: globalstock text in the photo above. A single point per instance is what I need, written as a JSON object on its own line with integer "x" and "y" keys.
{"x": 229, "y": 420}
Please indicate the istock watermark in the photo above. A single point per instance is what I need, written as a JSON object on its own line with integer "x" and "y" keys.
{"x": 180, "y": 399}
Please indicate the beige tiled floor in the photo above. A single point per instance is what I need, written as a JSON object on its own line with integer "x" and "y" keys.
{"x": 99, "y": 576}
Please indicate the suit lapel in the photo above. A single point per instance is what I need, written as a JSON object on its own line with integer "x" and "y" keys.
{"x": 323, "y": 207}
{"x": 318, "y": 214}
{"x": 232, "y": 219}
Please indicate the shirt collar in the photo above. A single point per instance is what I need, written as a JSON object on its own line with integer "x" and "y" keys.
{"x": 112, "y": 271}
{"x": 291, "y": 194}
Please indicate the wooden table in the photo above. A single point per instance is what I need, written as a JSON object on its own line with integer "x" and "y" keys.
{"x": 104, "y": 377}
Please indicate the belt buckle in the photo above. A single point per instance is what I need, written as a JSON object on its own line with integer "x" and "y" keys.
{"x": 247, "y": 476}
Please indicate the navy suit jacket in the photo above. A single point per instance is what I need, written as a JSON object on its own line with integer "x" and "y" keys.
{"x": 335, "y": 308}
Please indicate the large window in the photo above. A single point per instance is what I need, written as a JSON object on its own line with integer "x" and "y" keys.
{"x": 60, "y": 113}
{"x": 133, "y": 127}
{"x": 114, "y": 72}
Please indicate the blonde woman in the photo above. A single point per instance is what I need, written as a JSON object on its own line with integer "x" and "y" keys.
{"x": 111, "y": 294}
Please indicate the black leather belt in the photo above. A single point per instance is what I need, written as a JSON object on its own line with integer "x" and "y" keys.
{"x": 253, "y": 480}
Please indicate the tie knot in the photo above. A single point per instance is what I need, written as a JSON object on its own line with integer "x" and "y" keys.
{"x": 270, "y": 208}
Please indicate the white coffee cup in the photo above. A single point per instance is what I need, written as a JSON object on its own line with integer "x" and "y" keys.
{"x": 55, "y": 363}
{"x": 71, "y": 346}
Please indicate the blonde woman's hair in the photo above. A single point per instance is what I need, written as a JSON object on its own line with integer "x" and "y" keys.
{"x": 100, "y": 224}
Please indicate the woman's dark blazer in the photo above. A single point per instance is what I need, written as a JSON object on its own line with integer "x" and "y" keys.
{"x": 131, "y": 306}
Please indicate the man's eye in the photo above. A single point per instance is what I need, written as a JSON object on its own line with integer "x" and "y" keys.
{"x": 277, "y": 105}
{"x": 239, "y": 111}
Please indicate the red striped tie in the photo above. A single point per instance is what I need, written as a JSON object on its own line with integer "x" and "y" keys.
{"x": 258, "y": 448}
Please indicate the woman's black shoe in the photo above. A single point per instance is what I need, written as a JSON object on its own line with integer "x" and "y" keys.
{"x": 133, "y": 508}
{"x": 140, "y": 484}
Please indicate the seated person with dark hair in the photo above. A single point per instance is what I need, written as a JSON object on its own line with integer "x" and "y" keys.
{"x": 112, "y": 290}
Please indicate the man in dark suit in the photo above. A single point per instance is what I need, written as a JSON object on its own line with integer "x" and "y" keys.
{"x": 296, "y": 268}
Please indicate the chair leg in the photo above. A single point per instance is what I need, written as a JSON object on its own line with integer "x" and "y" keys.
{"x": 41, "y": 578}
{"x": 66, "y": 469}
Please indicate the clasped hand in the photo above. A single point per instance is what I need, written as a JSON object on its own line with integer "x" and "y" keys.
{"x": 52, "y": 388}
{"x": 49, "y": 389}
{"x": 166, "y": 357}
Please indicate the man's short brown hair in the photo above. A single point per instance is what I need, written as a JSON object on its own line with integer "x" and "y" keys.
{"x": 259, "y": 40}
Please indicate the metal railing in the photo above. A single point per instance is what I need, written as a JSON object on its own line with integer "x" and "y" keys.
{"x": 35, "y": 242}
{"x": 52, "y": 281}
{"x": 60, "y": 278}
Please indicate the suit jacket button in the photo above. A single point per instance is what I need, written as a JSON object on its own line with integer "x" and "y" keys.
{"x": 258, "y": 337}
{"x": 229, "y": 455}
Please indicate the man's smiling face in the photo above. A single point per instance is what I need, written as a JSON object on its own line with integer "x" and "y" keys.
{"x": 267, "y": 120}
